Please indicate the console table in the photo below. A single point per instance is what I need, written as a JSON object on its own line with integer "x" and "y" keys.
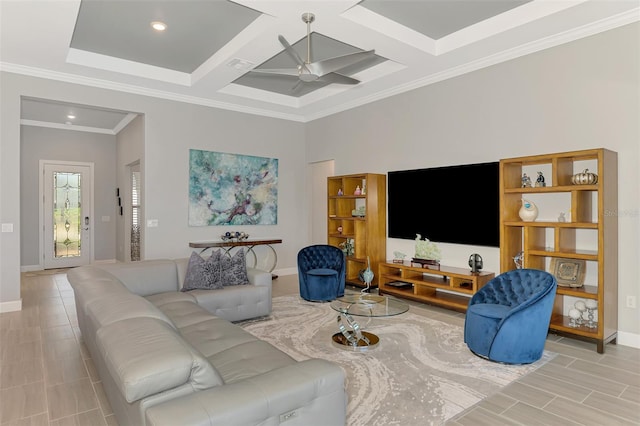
{"x": 227, "y": 246}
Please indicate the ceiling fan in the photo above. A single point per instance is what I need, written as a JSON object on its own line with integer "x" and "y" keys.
{"x": 322, "y": 71}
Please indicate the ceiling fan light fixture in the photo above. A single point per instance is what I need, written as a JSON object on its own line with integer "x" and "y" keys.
{"x": 326, "y": 70}
{"x": 158, "y": 25}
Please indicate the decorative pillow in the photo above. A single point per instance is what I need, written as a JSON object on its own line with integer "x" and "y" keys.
{"x": 203, "y": 274}
{"x": 233, "y": 270}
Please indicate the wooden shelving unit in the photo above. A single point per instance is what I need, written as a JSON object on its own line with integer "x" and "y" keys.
{"x": 447, "y": 287}
{"x": 591, "y": 209}
{"x": 369, "y": 232}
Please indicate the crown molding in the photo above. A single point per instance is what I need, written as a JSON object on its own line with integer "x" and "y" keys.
{"x": 124, "y": 122}
{"x": 132, "y": 89}
{"x": 72, "y": 127}
{"x": 612, "y": 22}
{"x": 506, "y": 55}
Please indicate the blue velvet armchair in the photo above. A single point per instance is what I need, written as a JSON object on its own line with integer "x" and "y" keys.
{"x": 507, "y": 320}
{"x": 321, "y": 272}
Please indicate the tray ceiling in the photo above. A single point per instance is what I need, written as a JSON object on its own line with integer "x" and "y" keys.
{"x": 209, "y": 47}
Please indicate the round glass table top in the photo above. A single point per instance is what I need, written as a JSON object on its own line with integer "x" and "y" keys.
{"x": 369, "y": 305}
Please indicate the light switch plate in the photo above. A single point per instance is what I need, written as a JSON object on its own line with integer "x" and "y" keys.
{"x": 7, "y": 227}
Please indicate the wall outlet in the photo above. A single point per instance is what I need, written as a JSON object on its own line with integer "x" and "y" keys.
{"x": 288, "y": 416}
{"x": 631, "y": 302}
{"x": 152, "y": 223}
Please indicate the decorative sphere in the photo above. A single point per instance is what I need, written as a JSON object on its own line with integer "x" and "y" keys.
{"x": 575, "y": 314}
{"x": 368, "y": 276}
{"x": 580, "y": 305}
{"x": 591, "y": 304}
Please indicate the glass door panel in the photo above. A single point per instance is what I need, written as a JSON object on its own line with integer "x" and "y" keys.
{"x": 66, "y": 214}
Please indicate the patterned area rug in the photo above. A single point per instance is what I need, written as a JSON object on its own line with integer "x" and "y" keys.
{"x": 421, "y": 373}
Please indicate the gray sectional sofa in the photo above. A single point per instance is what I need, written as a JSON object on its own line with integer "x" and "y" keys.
{"x": 167, "y": 357}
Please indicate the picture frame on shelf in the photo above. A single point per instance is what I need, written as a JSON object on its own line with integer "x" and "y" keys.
{"x": 568, "y": 272}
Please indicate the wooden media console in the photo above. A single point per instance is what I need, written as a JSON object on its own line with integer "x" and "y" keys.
{"x": 447, "y": 287}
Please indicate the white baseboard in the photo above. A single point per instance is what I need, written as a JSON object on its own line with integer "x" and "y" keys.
{"x": 286, "y": 271}
{"x": 12, "y": 306}
{"x": 30, "y": 268}
{"x": 628, "y": 339}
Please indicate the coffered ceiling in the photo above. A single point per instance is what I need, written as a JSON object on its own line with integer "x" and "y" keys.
{"x": 206, "y": 54}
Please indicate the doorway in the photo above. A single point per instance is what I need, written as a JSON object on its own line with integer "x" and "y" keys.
{"x": 66, "y": 213}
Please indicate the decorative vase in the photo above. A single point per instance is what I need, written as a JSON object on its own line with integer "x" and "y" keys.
{"x": 367, "y": 277}
{"x": 528, "y": 212}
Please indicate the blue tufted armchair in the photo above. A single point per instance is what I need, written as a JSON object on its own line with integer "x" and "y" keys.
{"x": 321, "y": 272}
{"x": 508, "y": 319}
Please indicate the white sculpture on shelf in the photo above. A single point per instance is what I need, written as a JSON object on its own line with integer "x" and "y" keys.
{"x": 367, "y": 276}
{"x": 426, "y": 249}
{"x": 528, "y": 212}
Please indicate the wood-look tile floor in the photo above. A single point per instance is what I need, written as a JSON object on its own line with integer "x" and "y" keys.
{"x": 47, "y": 376}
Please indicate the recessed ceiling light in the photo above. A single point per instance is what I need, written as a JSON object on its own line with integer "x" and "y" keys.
{"x": 158, "y": 26}
{"x": 71, "y": 116}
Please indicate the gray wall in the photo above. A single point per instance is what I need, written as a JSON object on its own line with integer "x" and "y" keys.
{"x": 581, "y": 95}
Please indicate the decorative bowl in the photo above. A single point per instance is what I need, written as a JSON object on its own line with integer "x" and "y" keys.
{"x": 234, "y": 236}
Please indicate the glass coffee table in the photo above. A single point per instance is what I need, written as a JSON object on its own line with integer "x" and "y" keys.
{"x": 351, "y": 335}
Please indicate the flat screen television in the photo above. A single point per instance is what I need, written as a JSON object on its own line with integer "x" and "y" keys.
{"x": 454, "y": 204}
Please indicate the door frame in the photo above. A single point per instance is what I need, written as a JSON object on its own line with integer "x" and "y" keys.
{"x": 41, "y": 190}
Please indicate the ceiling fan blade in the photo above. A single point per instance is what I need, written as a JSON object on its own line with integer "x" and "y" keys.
{"x": 326, "y": 66}
{"x": 297, "y": 86}
{"x": 281, "y": 71}
{"x": 291, "y": 51}
{"x": 334, "y": 77}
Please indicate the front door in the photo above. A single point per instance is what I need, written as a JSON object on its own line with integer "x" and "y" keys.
{"x": 67, "y": 220}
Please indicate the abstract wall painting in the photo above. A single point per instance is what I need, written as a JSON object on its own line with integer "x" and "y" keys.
{"x": 232, "y": 189}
